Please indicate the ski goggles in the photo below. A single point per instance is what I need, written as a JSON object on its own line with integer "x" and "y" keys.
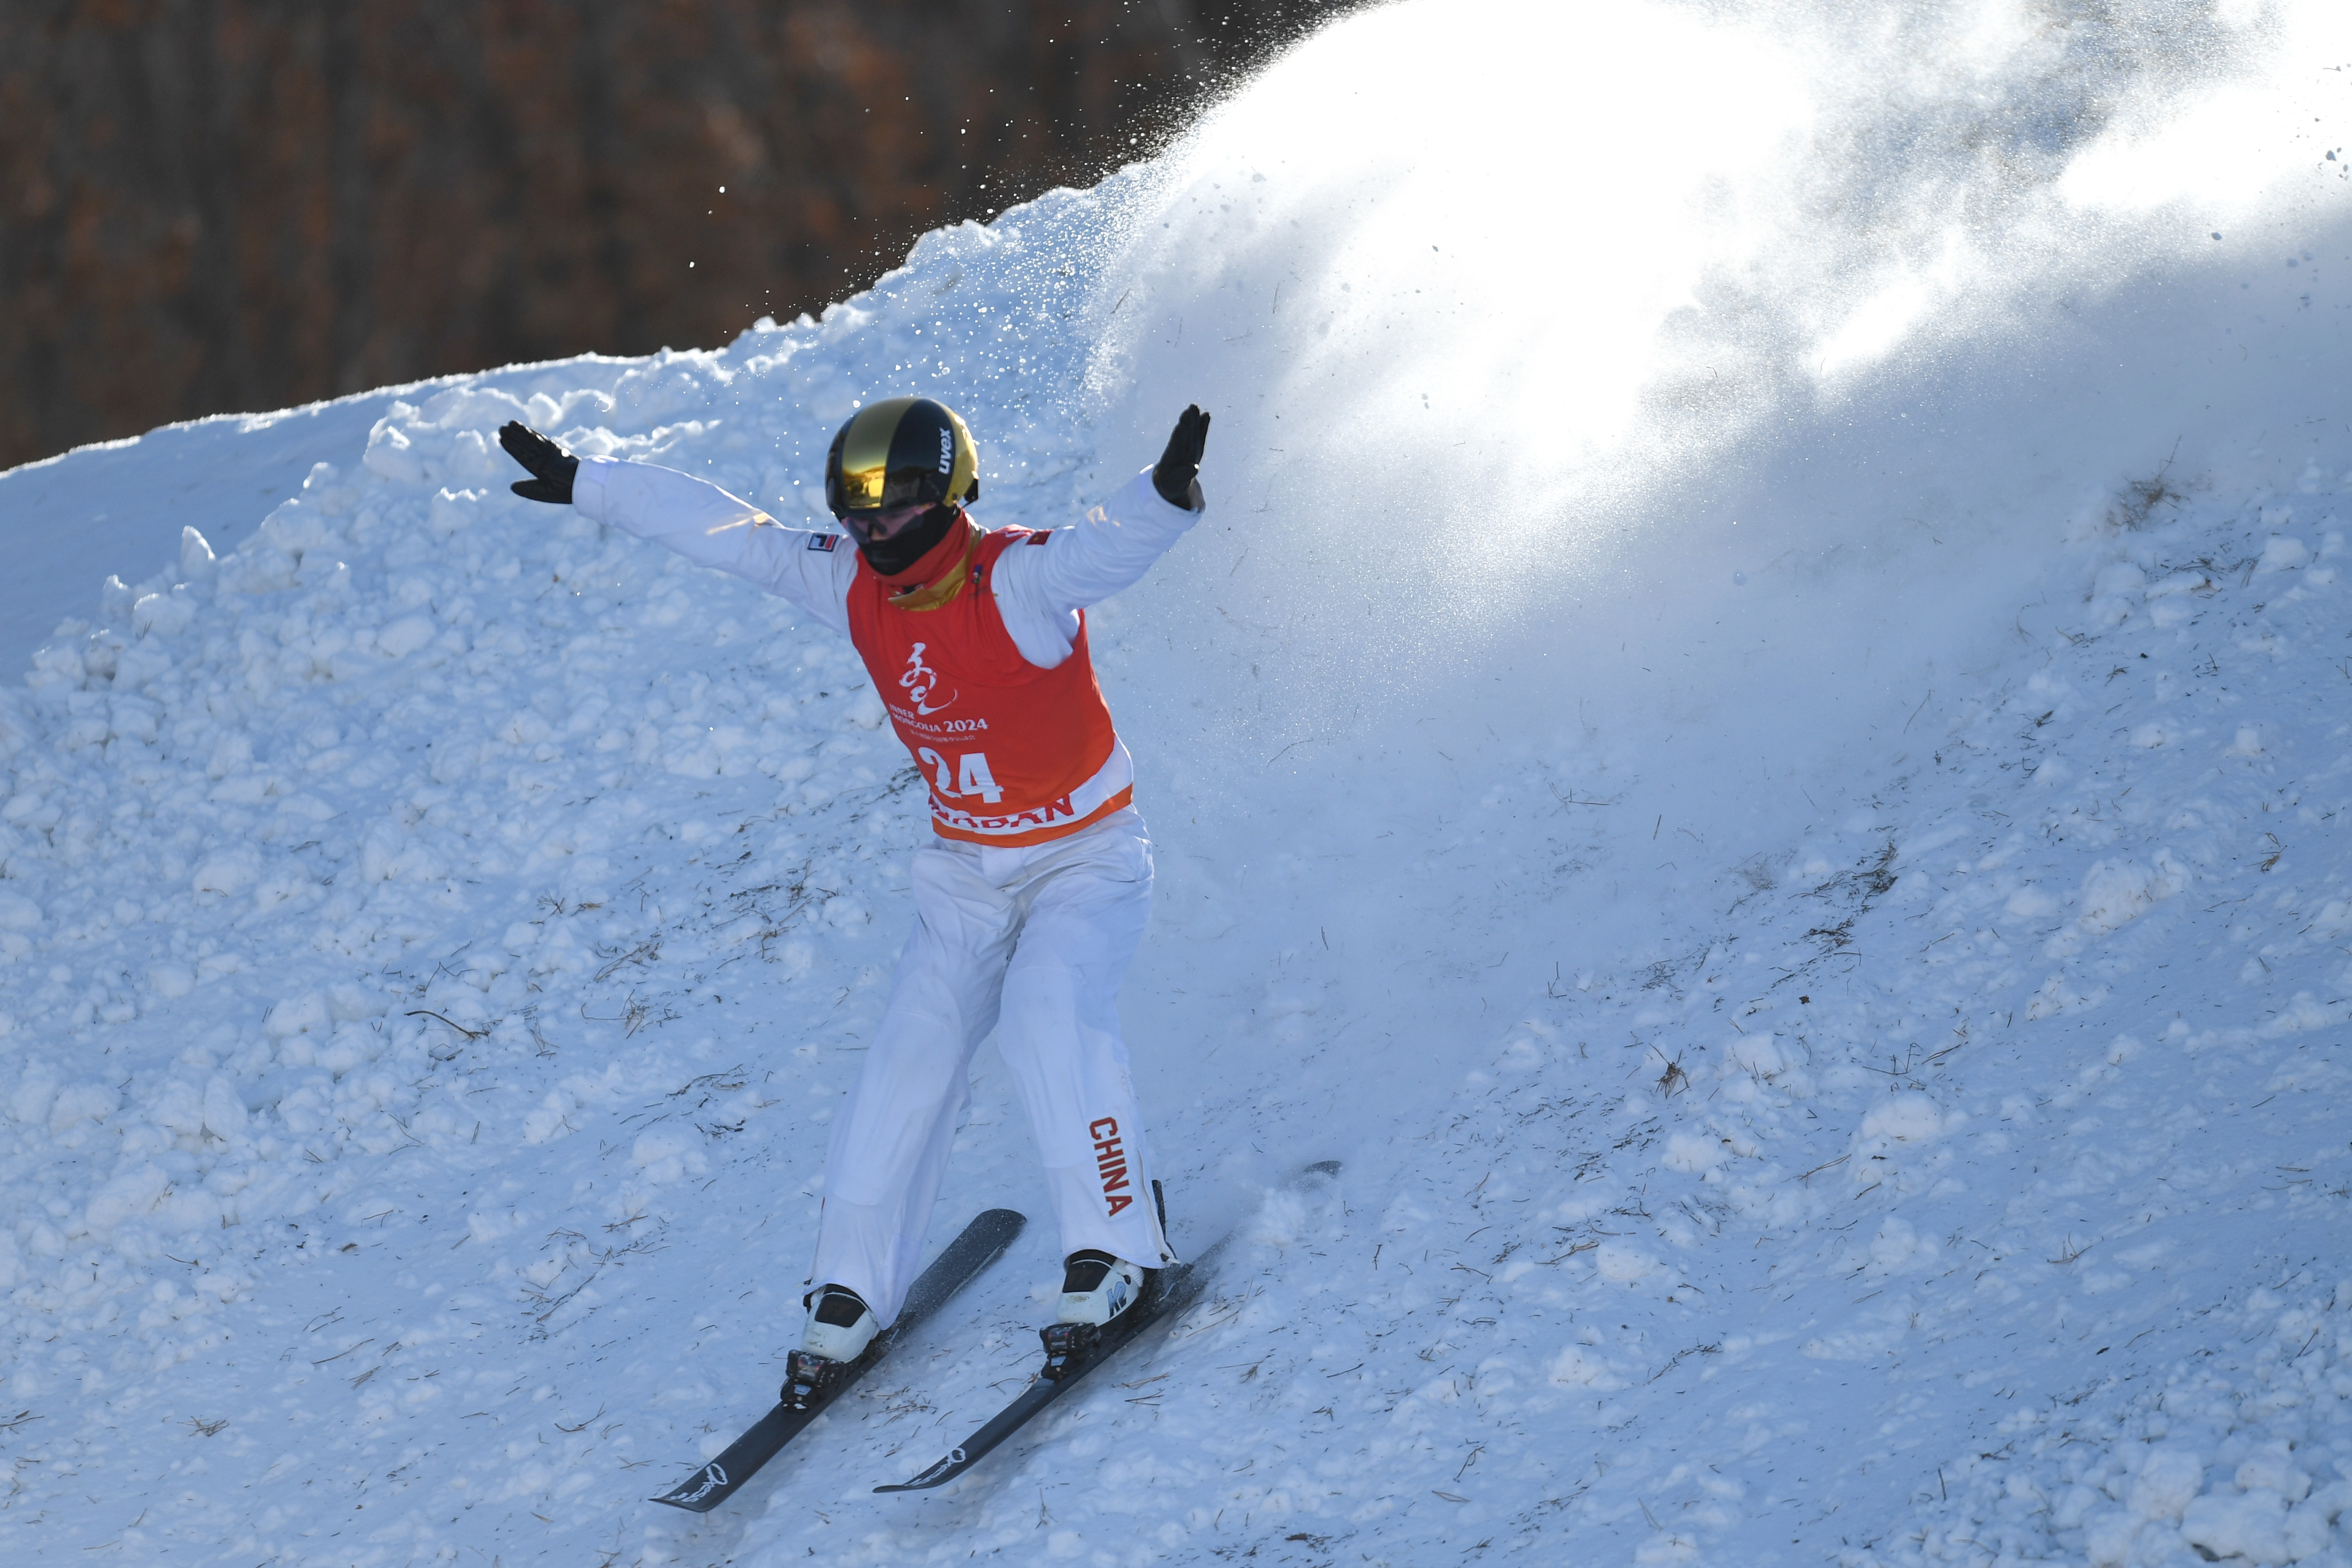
{"x": 868, "y": 526}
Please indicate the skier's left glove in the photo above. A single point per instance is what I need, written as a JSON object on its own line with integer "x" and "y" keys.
{"x": 1178, "y": 477}
{"x": 551, "y": 465}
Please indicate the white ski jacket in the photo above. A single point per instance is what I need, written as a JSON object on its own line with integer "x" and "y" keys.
{"x": 1038, "y": 592}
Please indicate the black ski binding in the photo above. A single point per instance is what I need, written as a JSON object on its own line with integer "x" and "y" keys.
{"x": 1066, "y": 1344}
{"x": 809, "y": 1379}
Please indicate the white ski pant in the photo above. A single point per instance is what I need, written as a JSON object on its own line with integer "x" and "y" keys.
{"x": 1032, "y": 942}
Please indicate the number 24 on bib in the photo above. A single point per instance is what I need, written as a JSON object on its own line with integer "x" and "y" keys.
{"x": 967, "y": 776}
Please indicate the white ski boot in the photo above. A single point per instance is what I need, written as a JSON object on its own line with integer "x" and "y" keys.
{"x": 840, "y": 1324}
{"x": 1097, "y": 1290}
{"x": 840, "y": 1327}
{"x": 1096, "y": 1287}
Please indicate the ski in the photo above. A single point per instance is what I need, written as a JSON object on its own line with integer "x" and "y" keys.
{"x": 1174, "y": 1290}
{"x": 982, "y": 1243}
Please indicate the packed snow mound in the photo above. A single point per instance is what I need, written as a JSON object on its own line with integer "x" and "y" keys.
{"x": 2216, "y": 1462}
{"x": 1759, "y": 760}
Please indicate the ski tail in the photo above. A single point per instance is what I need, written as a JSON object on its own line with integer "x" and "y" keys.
{"x": 980, "y": 1244}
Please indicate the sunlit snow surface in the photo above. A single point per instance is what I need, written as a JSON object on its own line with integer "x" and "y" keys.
{"x": 1762, "y": 759}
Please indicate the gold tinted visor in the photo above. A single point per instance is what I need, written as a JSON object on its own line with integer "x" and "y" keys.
{"x": 865, "y": 454}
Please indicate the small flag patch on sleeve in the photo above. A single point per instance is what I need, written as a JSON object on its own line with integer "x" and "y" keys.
{"x": 824, "y": 542}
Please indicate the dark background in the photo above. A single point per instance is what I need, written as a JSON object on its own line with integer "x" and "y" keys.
{"x": 213, "y": 205}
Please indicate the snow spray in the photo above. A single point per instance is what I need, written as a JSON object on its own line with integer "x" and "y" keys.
{"x": 1639, "y": 366}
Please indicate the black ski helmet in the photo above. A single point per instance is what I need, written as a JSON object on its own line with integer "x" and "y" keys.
{"x": 901, "y": 451}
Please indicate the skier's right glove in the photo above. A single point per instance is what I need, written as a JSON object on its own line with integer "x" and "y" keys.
{"x": 1178, "y": 477}
{"x": 551, "y": 465}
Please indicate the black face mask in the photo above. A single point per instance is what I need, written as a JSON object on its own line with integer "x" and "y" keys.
{"x": 893, "y": 556}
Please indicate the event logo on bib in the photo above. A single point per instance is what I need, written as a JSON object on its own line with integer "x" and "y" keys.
{"x": 919, "y": 681}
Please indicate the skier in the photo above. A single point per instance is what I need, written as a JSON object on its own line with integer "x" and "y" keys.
{"x": 1032, "y": 898}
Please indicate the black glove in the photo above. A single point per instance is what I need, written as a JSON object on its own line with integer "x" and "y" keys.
{"x": 1178, "y": 477}
{"x": 551, "y": 465}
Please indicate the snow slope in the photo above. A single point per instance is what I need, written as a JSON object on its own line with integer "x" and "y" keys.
{"x": 118, "y": 507}
{"x": 1755, "y": 745}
